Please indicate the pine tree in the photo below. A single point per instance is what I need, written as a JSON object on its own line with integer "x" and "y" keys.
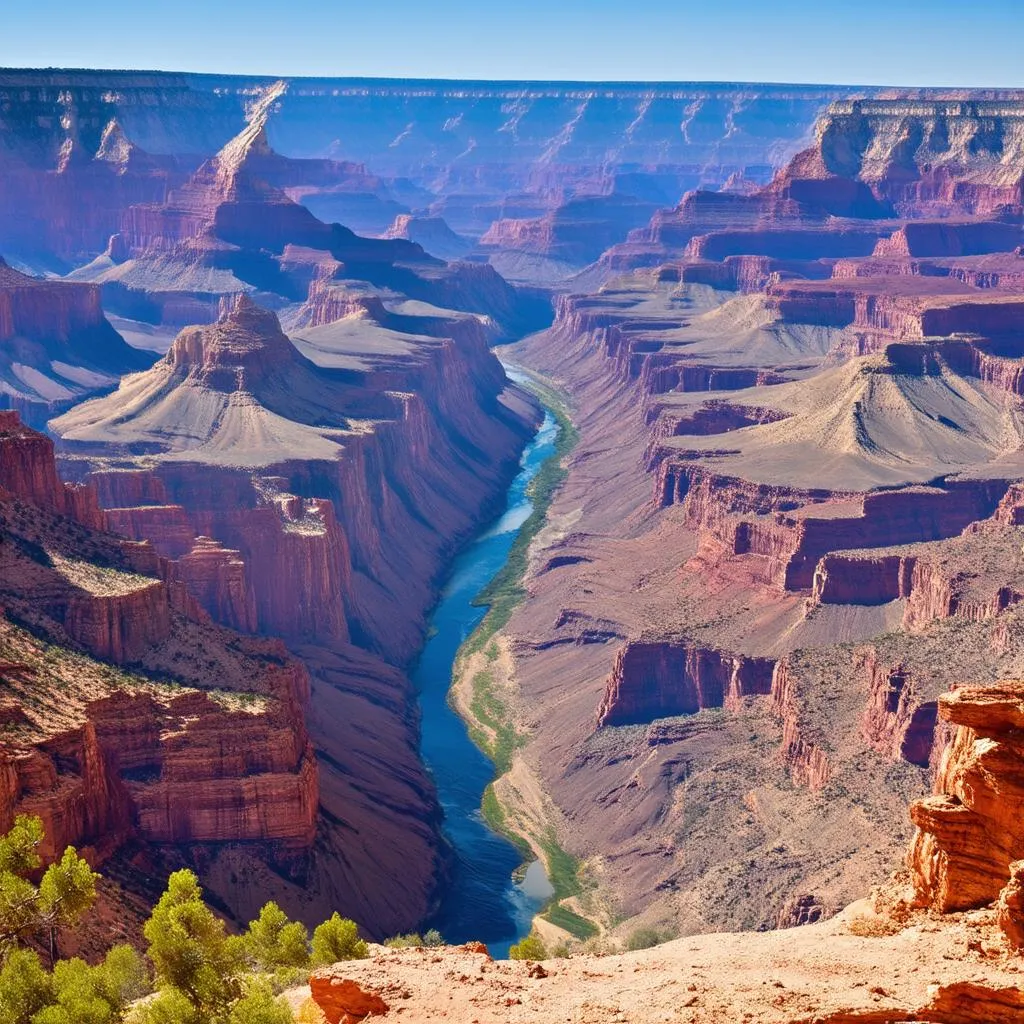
{"x": 34, "y": 913}
{"x": 190, "y": 949}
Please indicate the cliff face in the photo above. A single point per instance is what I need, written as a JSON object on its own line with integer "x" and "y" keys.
{"x": 874, "y": 963}
{"x": 874, "y": 160}
{"x": 129, "y": 715}
{"x": 313, "y": 489}
{"x": 92, "y": 155}
{"x": 654, "y": 680}
{"x": 920, "y": 155}
{"x": 340, "y": 482}
{"x": 232, "y": 228}
{"x": 798, "y": 452}
{"x": 56, "y": 346}
{"x": 968, "y": 832}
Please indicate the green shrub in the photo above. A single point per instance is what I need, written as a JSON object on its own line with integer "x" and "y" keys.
{"x": 95, "y": 995}
{"x": 529, "y": 948}
{"x": 258, "y": 1006}
{"x": 169, "y": 1007}
{"x": 190, "y": 949}
{"x": 414, "y": 940}
{"x": 645, "y": 938}
{"x": 337, "y": 939}
{"x": 25, "y": 987}
{"x": 274, "y": 943}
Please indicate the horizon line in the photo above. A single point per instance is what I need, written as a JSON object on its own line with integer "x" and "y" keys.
{"x": 581, "y": 82}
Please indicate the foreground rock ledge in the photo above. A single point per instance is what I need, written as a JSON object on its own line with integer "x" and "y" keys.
{"x": 951, "y": 970}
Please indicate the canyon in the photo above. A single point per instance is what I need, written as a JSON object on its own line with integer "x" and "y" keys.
{"x": 777, "y": 331}
{"x": 788, "y": 525}
{"x": 937, "y": 942}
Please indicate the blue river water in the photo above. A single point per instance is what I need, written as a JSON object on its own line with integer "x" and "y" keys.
{"x": 482, "y": 901}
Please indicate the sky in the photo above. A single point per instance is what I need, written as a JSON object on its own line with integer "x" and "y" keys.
{"x": 867, "y": 42}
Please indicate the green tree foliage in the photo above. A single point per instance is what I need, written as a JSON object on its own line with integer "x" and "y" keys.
{"x": 337, "y": 939}
{"x": 273, "y": 942}
{"x": 25, "y": 987}
{"x": 170, "y": 1007}
{"x": 529, "y": 948}
{"x": 34, "y": 913}
{"x": 190, "y": 950}
{"x": 95, "y": 995}
{"x": 258, "y": 1006}
{"x": 202, "y": 975}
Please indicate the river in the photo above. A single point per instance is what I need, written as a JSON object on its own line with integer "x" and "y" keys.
{"x": 482, "y": 900}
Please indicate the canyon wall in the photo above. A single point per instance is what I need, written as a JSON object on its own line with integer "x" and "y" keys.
{"x": 130, "y": 716}
{"x": 789, "y": 525}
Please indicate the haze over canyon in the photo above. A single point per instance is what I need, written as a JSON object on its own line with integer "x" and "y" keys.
{"x": 666, "y": 442}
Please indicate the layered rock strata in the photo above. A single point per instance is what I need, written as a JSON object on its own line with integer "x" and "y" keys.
{"x": 313, "y": 490}
{"x": 799, "y": 454}
{"x": 56, "y": 345}
{"x": 129, "y": 716}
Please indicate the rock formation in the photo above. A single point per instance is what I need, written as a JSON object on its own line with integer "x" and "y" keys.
{"x": 790, "y": 523}
{"x": 968, "y": 831}
{"x": 129, "y": 716}
{"x": 56, "y": 346}
{"x": 229, "y": 230}
{"x": 313, "y": 491}
{"x": 877, "y": 961}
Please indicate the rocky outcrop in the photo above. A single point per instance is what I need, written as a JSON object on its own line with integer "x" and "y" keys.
{"x": 969, "y": 832}
{"x": 217, "y": 577}
{"x": 794, "y": 530}
{"x": 119, "y": 627}
{"x": 950, "y": 238}
{"x": 28, "y": 471}
{"x": 923, "y": 156}
{"x": 576, "y": 232}
{"x": 432, "y": 233}
{"x": 343, "y": 1001}
{"x": 655, "y": 679}
{"x": 805, "y": 760}
{"x": 904, "y": 308}
{"x": 202, "y": 743}
{"x": 355, "y": 475}
{"x": 897, "y": 721}
{"x": 178, "y": 771}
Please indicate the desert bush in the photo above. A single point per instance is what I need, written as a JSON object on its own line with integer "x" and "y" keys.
{"x": 645, "y": 938}
{"x": 337, "y": 939}
{"x": 531, "y": 947}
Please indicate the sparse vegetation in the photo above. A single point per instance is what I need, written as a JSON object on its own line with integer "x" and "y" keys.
{"x": 414, "y": 940}
{"x": 337, "y": 939}
{"x": 492, "y": 724}
{"x": 575, "y": 924}
{"x": 200, "y": 973}
{"x": 645, "y": 938}
{"x": 529, "y": 948}
{"x": 505, "y": 590}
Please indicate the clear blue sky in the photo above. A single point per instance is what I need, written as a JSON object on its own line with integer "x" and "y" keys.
{"x": 898, "y": 42}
